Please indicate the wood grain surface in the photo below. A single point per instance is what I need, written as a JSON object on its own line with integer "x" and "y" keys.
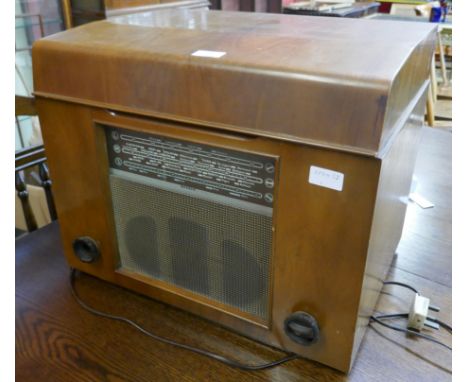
{"x": 327, "y": 81}
{"x": 293, "y": 88}
{"x": 56, "y": 340}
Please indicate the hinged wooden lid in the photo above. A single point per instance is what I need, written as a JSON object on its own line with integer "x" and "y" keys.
{"x": 339, "y": 83}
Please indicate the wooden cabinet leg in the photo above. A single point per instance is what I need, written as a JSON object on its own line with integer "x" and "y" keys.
{"x": 443, "y": 67}
{"x": 430, "y": 107}
{"x": 433, "y": 81}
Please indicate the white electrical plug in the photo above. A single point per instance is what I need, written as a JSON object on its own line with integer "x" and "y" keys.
{"x": 418, "y": 312}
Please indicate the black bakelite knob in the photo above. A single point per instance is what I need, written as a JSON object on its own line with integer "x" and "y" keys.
{"x": 86, "y": 249}
{"x": 302, "y": 328}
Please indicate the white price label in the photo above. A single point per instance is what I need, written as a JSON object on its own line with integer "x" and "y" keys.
{"x": 326, "y": 178}
{"x": 208, "y": 53}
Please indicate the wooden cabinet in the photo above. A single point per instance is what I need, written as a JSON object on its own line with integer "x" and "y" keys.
{"x": 81, "y": 12}
{"x": 327, "y": 111}
{"x": 271, "y": 6}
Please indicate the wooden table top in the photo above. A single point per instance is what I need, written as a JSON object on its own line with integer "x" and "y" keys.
{"x": 56, "y": 340}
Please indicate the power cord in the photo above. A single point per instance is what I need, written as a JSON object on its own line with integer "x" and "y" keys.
{"x": 405, "y": 315}
{"x": 205, "y": 353}
{"x": 406, "y": 330}
{"x": 401, "y": 285}
{"x": 379, "y": 319}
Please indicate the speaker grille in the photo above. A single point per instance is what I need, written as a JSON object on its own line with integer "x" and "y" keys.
{"x": 209, "y": 248}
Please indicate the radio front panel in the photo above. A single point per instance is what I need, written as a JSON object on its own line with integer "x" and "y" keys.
{"x": 195, "y": 216}
{"x": 173, "y": 221}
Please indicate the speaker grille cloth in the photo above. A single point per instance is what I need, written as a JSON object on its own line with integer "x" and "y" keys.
{"x": 208, "y": 248}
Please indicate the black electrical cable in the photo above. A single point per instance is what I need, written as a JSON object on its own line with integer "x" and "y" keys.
{"x": 442, "y": 324}
{"x": 401, "y": 285}
{"x": 393, "y": 315}
{"x": 405, "y": 315}
{"x": 405, "y": 330}
{"x": 205, "y": 353}
{"x": 378, "y": 319}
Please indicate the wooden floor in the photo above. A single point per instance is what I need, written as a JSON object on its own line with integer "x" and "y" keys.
{"x": 56, "y": 340}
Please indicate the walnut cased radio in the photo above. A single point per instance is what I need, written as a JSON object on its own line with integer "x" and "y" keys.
{"x": 249, "y": 168}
